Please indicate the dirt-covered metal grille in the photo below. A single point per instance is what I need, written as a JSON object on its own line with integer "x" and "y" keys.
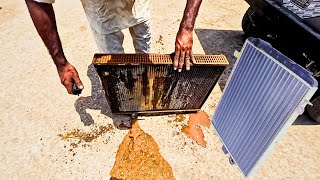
{"x": 141, "y": 87}
{"x": 100, "y": 59}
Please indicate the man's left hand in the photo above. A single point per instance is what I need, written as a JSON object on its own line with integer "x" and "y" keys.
{"x": 183, "y": 50}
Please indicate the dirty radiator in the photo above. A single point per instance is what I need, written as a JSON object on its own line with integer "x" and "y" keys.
{"x": 147, "y": 83}
{"x": 263, "y": 96}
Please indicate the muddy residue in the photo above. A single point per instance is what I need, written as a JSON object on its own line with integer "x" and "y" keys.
{"x": 138, "y": 157}
{"x": 80, "y": 136}
{"x": 179, "y": 118}
{"x": 193, "y": 130}
{"x": 178, "y": 121}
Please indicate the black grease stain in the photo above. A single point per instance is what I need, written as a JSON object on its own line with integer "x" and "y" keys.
{"x": 145, "y": 81}
{"x": 145, "y": 85}
{"x": 110, "y": 82}
{"x": 158, "y": 87}
{"x": 127, "y": 78}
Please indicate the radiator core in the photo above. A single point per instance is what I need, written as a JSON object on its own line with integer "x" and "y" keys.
{"x": 147, "y": 83}
{"x": 265, "y": 93}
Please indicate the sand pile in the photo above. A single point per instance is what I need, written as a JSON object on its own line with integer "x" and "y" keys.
{"x": 138, "y": 157}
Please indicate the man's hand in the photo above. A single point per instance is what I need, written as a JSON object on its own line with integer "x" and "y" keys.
{"x": 184, "y": 40}
{"x": 43, "y": 17}
{"x": 69, "y": 75}
{"x": 183, "y": 51}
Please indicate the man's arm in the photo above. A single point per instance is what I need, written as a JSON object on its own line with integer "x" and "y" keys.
{"x": 184, "y": 39}
{"x": 43, "y": 17}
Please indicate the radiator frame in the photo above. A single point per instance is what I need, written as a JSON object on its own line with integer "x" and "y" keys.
{"x": 101, "y": 60}
{"x": 299, "y": 109}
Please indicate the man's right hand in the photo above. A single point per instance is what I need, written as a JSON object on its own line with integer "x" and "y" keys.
{"x": 43, "y": 17}
{"x": 69, "y": 75}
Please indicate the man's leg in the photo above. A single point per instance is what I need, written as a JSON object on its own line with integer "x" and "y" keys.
{"x": 109, "y": 43}
{"x": 141, "y": 36}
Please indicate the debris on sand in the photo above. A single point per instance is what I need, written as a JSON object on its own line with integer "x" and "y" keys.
{"x": 160, "y": 40}
{"x": 87, "y": 137}
{"x": 193, "y": 130}
{"x": 178, "y": 121}
{"x": 179, "y": 118}
{"x": 138, "y": 157}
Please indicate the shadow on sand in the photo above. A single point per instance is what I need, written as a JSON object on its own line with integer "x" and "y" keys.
{"x": 221, "y": 42}
{"x": 304, "y": 120}
{"x": 97, "y": 101}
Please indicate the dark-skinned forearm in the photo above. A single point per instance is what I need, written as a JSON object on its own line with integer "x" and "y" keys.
{"x": 190, "y": 15}
{"x": 44, "y": 20}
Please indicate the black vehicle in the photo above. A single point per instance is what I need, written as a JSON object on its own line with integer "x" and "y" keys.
{"x": 293, "y": 27}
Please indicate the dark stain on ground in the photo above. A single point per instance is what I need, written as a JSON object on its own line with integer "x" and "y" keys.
{"x": 87, "y": 137}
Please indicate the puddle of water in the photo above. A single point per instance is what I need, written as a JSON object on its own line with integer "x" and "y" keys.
{"x": 138, "y": 157}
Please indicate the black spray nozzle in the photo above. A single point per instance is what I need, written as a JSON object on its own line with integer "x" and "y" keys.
{"x": 75, "y": 89}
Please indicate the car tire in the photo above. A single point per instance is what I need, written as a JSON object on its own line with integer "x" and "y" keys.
{"x": 254, "y": 25}
{"x": 314, "y": 111}
{"x": 249, "y": 23}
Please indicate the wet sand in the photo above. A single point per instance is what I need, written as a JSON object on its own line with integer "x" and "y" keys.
{"x": 138, "y": 157}
{"x": 35, "y": 108}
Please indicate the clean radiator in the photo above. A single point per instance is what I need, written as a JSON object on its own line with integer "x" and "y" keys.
{"x": 265, "y": 93}
{"x": 147, "y": 84}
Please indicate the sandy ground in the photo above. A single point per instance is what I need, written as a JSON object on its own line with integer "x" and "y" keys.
{"x": 35, "y": 108}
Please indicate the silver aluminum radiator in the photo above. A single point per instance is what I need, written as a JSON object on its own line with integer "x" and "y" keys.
{"x": 264, "y": 95}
